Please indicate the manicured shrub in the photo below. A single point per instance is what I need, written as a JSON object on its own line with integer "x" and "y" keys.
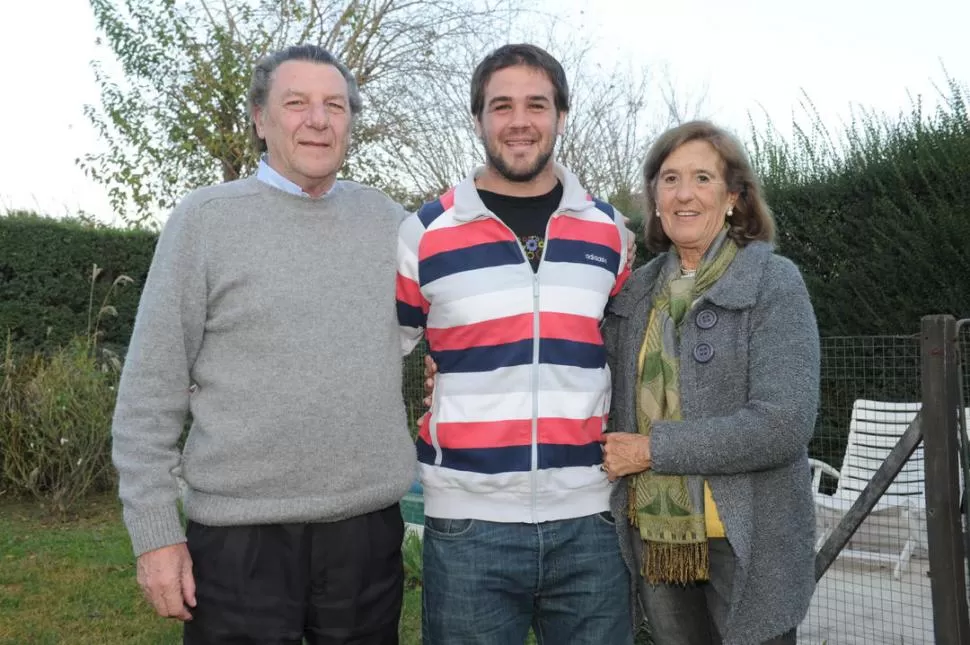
{"x": 876, "y": 216}
{"x": 45, "y": 287}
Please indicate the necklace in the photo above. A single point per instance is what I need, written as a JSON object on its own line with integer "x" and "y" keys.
{"x": 687, "y": 273}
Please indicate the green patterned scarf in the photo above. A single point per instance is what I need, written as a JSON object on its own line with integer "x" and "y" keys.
{"x": 669, "y": 509}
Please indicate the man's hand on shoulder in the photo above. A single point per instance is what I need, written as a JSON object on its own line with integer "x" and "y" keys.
{"x": 631, "y": 243}
{"x": 165, "y": 577}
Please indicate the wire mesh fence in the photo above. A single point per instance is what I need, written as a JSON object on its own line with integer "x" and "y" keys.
{"x": 878, "y": 590}
{"x": 413, "y": 386}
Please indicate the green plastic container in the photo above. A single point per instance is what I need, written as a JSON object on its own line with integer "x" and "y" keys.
{"x": 412, "y": 506}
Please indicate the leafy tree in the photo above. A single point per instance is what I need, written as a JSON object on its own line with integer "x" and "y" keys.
{"x": 178, "y": 118}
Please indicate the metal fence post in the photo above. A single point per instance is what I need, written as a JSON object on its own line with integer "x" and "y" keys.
{"x": 941, "y": 405}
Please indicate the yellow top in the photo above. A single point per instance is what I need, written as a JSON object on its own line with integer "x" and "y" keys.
{"x": 715, "y": 529}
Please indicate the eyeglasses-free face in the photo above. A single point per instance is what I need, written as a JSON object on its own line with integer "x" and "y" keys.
{"x": 692, "y": 199}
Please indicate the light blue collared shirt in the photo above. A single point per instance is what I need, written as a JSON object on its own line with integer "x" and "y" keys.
{"x": 266, "y": 174}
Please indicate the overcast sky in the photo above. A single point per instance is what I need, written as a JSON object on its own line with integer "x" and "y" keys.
{"x": 750, "y": 55}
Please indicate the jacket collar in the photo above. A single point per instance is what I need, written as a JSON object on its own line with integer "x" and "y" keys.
{"x": 737, "y": 289}
{"x": 739, "y": 286}
{"x": 468, "y": 205}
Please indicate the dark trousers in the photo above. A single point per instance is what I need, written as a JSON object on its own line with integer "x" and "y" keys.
{"x": 335, "y": 583}
{"x": 696, "y": 614}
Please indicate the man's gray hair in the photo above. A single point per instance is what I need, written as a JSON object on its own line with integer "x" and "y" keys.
{"x": 263, "y": 78}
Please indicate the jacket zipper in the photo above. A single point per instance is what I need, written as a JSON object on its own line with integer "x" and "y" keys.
{"x": 534, "y": 465}
{"x": 433, "y": 425}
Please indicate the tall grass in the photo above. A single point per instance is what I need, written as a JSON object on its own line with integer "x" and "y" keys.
{"x": 55, "y": 420}
{"x": 55, "y": 416}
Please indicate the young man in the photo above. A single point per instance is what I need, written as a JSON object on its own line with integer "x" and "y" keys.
{"x": 262, "y": 294}
{"x": 508, "y": 275}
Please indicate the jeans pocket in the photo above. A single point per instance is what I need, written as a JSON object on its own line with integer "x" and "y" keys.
{"x": 607, "y": 517}
{"x": 445, "y": 527}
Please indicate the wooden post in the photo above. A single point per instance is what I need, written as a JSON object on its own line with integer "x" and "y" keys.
{"x": 939, "y": 360}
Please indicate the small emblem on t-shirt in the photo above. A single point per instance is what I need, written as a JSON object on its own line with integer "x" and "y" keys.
{"x": 533, "y": 245}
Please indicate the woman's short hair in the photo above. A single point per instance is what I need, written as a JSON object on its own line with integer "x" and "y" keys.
{"x": 751, "y": 219}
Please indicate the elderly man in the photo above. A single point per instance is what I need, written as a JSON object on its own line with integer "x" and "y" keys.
{"x": 263, "y": 294}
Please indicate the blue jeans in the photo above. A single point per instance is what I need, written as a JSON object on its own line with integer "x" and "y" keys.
{"x": 486, "y": 583}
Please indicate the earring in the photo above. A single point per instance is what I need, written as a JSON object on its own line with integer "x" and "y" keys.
{"x": 730, "y": 211}
{"x": 657, "y": 212}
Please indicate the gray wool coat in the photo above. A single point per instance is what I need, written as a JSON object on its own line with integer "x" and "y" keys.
{"x": 749, "y": 379}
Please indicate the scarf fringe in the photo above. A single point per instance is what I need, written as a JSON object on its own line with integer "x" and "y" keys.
{"x": 631, "y": 510}
{"x": 665, "y": 562}
{"x": 675, "y": 563}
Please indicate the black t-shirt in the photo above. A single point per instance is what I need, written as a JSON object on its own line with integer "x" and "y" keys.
{"x": 526, "y": 216}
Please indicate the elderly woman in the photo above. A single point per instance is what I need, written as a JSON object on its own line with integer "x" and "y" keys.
{"x": 714, "y": 353}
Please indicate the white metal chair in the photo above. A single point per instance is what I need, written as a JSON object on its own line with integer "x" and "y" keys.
{"x": 874, "y": 429}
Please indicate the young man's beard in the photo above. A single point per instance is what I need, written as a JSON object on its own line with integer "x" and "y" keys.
{"x": 495, "y": 161}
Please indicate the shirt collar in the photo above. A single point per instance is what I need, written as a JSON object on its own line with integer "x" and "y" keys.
{"x": 468, "y": 205}
{"x": 266, "y": 174}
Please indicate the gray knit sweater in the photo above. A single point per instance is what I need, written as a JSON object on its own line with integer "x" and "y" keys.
{"x": 749, "y": 386}
{"x": 268, "y": 319}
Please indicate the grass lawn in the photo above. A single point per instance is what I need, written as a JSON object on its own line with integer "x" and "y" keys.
{"x": 74, "y": 582}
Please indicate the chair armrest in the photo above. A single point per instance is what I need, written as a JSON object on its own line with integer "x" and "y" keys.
{"x": 818, "y": 469}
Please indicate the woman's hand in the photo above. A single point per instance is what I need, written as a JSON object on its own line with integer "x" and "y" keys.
{"x": 625, "y": 454}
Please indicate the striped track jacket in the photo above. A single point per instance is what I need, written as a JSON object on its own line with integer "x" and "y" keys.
{"x": 523, "y": 390}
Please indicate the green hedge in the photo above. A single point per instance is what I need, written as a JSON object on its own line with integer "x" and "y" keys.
{"x": 878, "y": 219}
{"x": 45, "y": 279}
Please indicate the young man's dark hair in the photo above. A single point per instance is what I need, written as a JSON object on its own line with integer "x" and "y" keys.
{"x": 511, "y": 56}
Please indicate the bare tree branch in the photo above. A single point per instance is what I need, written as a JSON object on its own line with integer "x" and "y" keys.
{"x": 180, "y": 118}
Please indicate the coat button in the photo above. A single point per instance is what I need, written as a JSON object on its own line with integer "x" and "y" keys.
{"x": 706, "y": 319}
{"x": 703, "y": 352}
